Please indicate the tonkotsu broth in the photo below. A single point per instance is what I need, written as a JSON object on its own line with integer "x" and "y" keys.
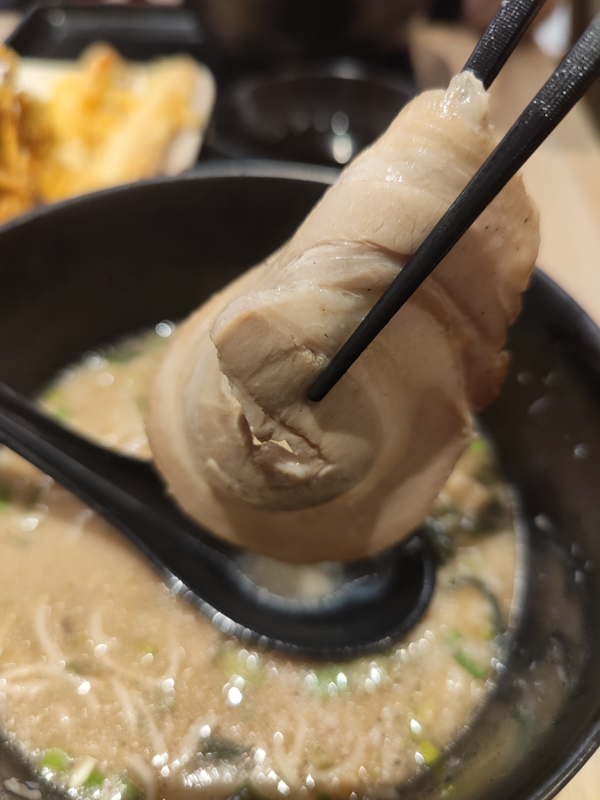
{"x": 117, "y": 689}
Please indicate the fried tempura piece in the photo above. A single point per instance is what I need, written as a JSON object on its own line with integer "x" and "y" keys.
{"x": 115, "y": 122}
{"x": 24, "y": 138}
{"x": 107, "y": 122}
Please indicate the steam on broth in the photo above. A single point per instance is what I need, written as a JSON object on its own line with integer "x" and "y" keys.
{"x": 115, "y": 688}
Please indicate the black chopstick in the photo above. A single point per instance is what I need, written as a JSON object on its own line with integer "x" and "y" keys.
{"x": 574, "y": 75}
{"x": 500, "y": 38}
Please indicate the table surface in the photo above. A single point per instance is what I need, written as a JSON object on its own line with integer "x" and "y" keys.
{"x": 563, "y": 178}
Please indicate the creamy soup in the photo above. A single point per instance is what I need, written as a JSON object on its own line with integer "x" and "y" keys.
{"x": 117, "y": 689}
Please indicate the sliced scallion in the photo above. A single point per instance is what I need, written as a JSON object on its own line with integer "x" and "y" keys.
{"x": 95, "y": 778}
{"x": 55, "y": 759}
{"x": 473, "y": 667}
{"x": 429, "y": 753}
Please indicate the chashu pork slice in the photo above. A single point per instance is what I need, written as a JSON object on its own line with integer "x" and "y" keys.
{"x": 230, "y": 428}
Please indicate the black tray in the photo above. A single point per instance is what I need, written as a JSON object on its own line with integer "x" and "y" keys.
{"x": 63, "y": 31}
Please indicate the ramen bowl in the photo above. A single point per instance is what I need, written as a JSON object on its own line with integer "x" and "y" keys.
{"x": 93, "y": 269}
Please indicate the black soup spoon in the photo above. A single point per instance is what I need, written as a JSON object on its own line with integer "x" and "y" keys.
{"x": 379, "y": 601}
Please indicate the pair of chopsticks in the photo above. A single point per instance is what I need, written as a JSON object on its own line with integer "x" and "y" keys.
{"x": 572, "y": 78}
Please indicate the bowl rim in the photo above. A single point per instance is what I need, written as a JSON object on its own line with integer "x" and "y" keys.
{"x": 344, "y": 69}
{"x": 219, "y": 168}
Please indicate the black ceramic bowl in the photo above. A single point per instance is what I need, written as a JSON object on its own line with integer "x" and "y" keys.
{"x": 323, "y": 114}
{"x": 86, "y": 271}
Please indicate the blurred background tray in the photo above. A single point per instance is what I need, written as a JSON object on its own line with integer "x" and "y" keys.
{"x": 64, "y": 31}
{"x": 297, "y": 107}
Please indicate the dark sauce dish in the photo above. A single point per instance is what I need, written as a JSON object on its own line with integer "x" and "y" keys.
{"x": 89, "y": 270}
{"x": 320, "y": 114}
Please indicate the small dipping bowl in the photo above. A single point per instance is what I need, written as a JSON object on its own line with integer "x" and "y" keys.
{"x": 320, "y": 115}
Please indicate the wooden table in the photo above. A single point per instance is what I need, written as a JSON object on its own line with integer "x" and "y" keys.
{"x": 8, "y": 22}
{"x": 563, "y": 177}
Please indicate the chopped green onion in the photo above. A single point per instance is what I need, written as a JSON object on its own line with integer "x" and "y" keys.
{"x": 122, "y": 356}
{"x": 472, "y": 667}
{"x": 320, "y": 761}
{"x": 131, "y": 348}
{"x": 333, "y": 675}
{"x": 475, "y": 669}
{"x": 429, "y": 752}
{"x": 454, "y": 636}
{"x": 95, "y": 778}
{"x": 478, "y": 446}
{"x": 55, "y": 759}
{"x": 51, "y": 395}
{"x": 4, "y": 497}
{"x": 129, "y": 791}
{"x": 63, "y": 412}
{"x": 450, "y": 518}
{"x": 236, "y": 662}
{"x": 146, "y": 647}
